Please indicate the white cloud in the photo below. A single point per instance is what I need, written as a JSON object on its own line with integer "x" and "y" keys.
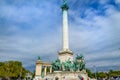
{"x": 103, "y": 1}
{"x": 117, "y": 1}
{"x": 97, "y": 36}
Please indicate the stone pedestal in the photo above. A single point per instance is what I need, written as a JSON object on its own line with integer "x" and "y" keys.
{"x": 64, "y": 75}
{"x": 38, "y": 68}
{"x": 65, "y": 55}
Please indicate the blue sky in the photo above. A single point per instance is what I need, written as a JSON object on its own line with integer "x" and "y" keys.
{"x": 31, "y": 28}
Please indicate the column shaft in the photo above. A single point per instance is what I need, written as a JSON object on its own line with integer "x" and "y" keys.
{"x": 65, "y": 31}
{"x": 51, "y": 69}
{"x": 45, "y": 70}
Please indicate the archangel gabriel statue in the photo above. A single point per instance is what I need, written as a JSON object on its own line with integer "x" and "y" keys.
{"x": 64, "y": 2}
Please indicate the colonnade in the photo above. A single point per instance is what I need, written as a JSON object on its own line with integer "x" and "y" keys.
{"x": 45, "y": 69}
{"x": 42, "y": 67}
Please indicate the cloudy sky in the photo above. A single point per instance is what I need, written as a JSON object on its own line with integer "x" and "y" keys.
{"x": 32, "y": 28}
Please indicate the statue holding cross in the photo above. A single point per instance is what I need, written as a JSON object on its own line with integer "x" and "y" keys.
{"x": 64, "y": 6}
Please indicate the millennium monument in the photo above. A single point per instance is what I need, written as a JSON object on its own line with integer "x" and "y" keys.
{"x": 65, "y": 67}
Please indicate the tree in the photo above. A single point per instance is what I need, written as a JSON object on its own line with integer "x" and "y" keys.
{"x": 114, "y": 73}
{"x": 102, "y": 75}
{"x": 12, "y": 69}
{"x": 89, "y": 73}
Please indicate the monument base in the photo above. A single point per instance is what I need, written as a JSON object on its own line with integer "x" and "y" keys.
{"x": 65, "y": 56}
{"x": 67, "y": 75}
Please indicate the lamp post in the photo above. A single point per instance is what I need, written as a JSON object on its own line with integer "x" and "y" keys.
{"x": 95, "y": 72}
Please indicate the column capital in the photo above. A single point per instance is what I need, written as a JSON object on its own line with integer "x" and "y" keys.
{"x": 65, "y": 7}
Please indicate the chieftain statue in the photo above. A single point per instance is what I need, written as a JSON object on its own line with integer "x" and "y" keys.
{"x": 80, "y": 62}
{"x": 77, "y": 65}
{"x": 57, "y": 66}
{"x": 68, "y": 65}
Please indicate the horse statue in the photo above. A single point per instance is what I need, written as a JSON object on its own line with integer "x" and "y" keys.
{"x": 80, "y": 64}
{"x": 57, "y": 65}
{"x": 68, "y": 65}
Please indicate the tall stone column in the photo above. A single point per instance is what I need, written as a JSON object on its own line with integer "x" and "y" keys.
{"x": 65, "y": 30}
{"x": 65, "y": 54}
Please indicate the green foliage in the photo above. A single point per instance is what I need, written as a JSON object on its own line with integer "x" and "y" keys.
{"x": 114, "y": 73}
{"x": 90, "y": 74}
{"x": 33, "y": 74}
{"x": 109, "y": 74}
{"x": 102, "y": 75}
{"x": 12, "y": 69}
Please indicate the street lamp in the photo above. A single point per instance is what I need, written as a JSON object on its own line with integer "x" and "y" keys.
{"x": 95, "y": 72}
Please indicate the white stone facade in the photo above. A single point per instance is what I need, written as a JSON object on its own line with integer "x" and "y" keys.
{"x": 65, "y": 57}
{"x": 67, "y": 76}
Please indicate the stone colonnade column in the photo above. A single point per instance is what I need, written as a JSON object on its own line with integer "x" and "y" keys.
{"x": 45, "y": 70}
{"x": 50, "y": 69}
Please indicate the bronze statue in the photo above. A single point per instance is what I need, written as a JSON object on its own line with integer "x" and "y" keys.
{"x": 57, "y": 66}
{"x": 64, "y": 2}
{"x": 39, "y": 58}
{"x": 67, "y": 65}
{"x": 78, "y": 64}
{"x": 80, "y": 56}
